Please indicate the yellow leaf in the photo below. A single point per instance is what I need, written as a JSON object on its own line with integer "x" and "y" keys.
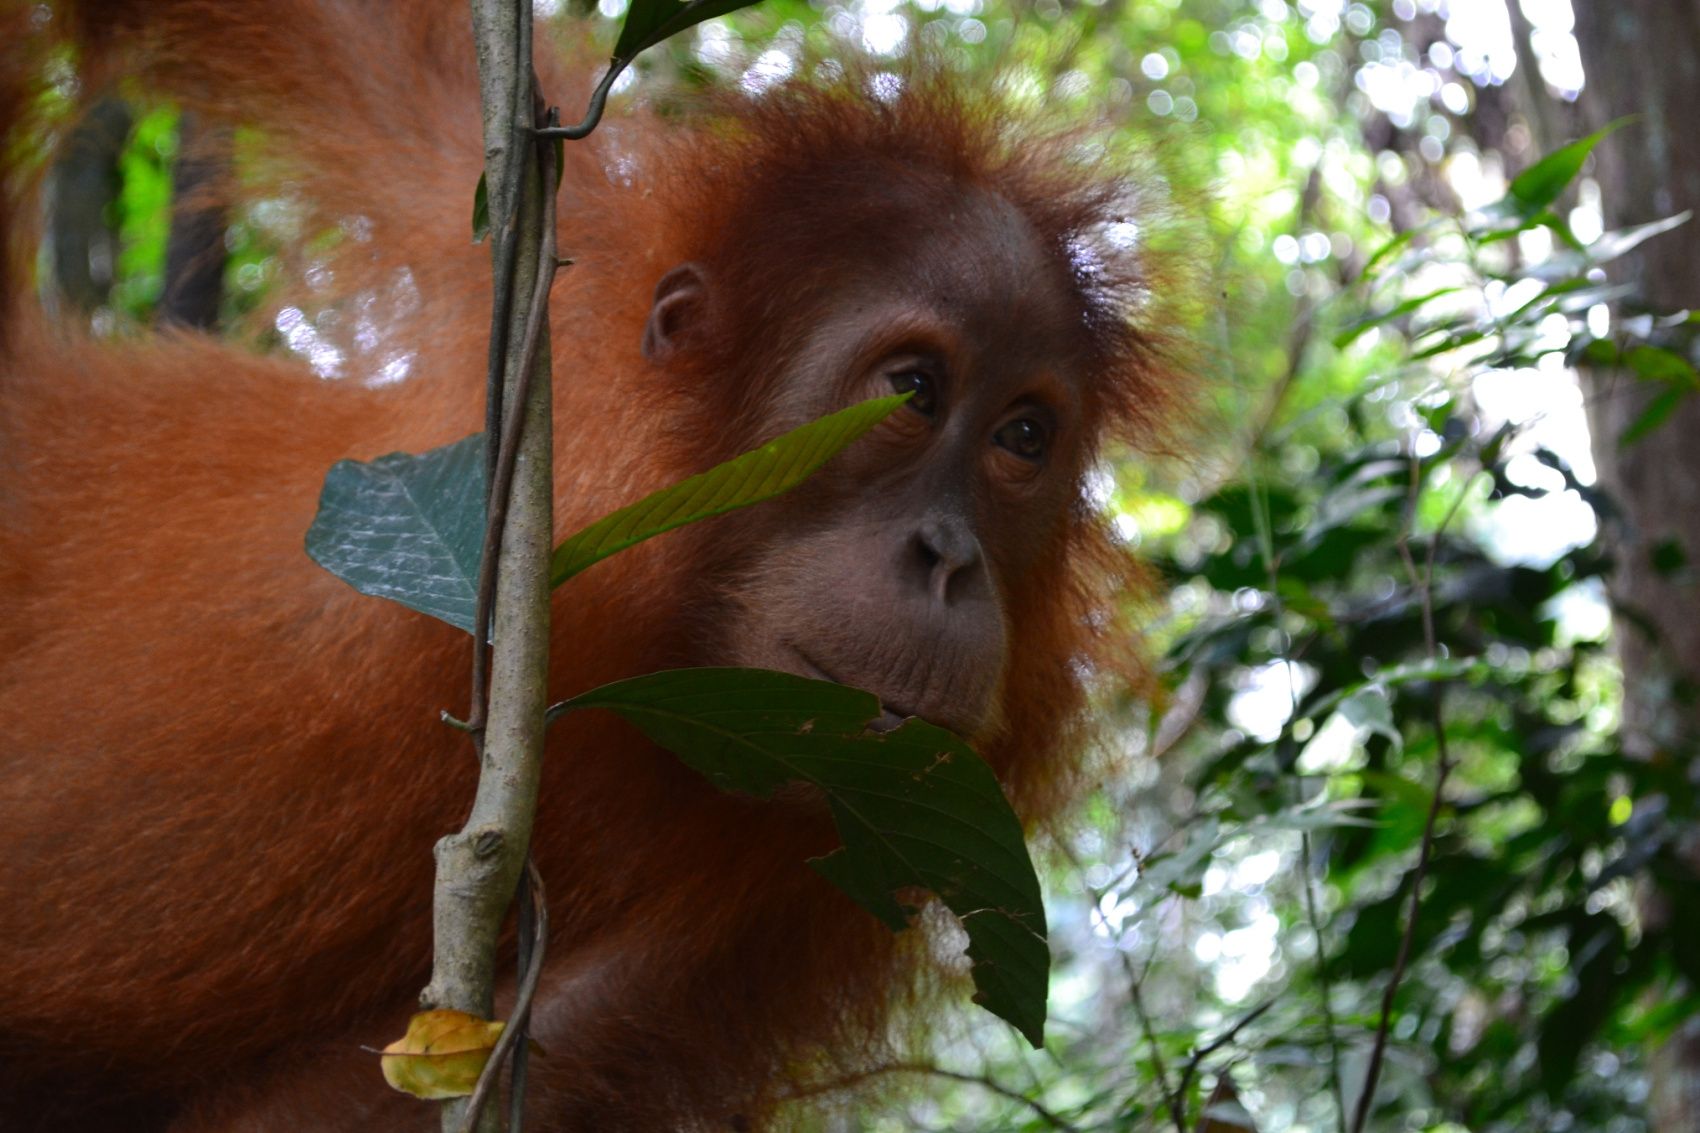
{"x": 441, "y": 1055}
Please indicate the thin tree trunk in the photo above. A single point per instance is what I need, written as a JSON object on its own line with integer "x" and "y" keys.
{"x": 194, "y": 252}
{"x": 83, "y": 240}
{"x": 1642, "y": 57}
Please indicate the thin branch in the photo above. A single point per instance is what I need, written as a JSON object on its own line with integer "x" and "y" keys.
{"x": 1423, "y": 581}
{"x": 849, "y": 1081}
{"x": 503, "y": 194}
{"x": 533, "y": 946}
{"x": 514, "y": 1035}
{"x": 479, "y": 867}
{"x": 531, "y": 959}
{"x": 1177, "y": 1102}
{"x": 506, "y": 452}
{"x": 1048, "y": 1116}
{"x": 1171, "y": 1096}
{"x": 1266, "y": 547}
{"x": 593, "y": 113}
{"x": 1418, "y": 873}
{"x": 1324, "y": 984}
{"x": 1190, "y": 1071}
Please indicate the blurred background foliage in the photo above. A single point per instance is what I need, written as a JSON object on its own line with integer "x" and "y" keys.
{"x": 1387, "y": 662}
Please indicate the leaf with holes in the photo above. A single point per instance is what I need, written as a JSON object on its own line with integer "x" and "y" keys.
{"x": 760, "y": 474}
{"x": 915, "y": 807}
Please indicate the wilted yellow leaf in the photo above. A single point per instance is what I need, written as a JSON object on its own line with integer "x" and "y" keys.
{"x": 441, "y": 1055}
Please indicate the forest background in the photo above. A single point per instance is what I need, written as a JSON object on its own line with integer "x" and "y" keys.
{"x": 1432, "y": 619}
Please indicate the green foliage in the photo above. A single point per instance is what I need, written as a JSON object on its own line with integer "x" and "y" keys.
{"x": 144, "y": 213}
{"x": 1271, "y": 849}
{"x": 1528, "y": 959}
{"x": 760, "y": 474}
{"x": 1264, "y": 859}
{"x": 915, "y": 807}
{"x": 1527, "y": 837}
{"x": 1538, "y": 186}
{"x": 410, "y": 528}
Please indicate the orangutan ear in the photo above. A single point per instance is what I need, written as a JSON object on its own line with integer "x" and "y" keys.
{"x": 680, "y": 303}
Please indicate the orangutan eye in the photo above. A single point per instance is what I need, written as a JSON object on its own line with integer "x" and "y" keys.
{"x": 926, "y": 399}
{"x": 1024, "y": 437}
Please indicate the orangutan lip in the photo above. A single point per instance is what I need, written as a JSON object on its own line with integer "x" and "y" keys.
{"x": 891, "y": 715}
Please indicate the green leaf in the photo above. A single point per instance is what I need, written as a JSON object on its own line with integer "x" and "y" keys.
{"x": 1449, "y": 343}
{"x": 1397, "y": 676}
{"x": 648, "y": 22}
{"x": 1370, "y": 712}
{"x": 1655, "y": 414}
{"x": 1656, "y": 363}
{"x": 1181, "y": 871}
{"x": 1614, "y": 244}
{"x": 1336, "y": 815}
{"x": 1597, "y": 946}
{"x": 1403, "y": 813}
{"x": 1540, "y": 185}
{"x": 407, "y": 528}
{"x": 760, "y": 474}
{"x": 481, "y": 211}
{"x": 914, "y": 806}
{"x": 1392, "y": 246}
{"x": 1667, "y": 557}
{"x": 1362, "y": 326}
{"x": 1596, "y": 352}
{"x": 1546, "y": 295}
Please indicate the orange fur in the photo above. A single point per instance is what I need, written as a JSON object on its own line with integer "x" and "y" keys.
{"x": 223, "y": 771}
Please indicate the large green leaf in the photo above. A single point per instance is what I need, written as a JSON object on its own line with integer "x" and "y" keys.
{"x": 1655, "y": 413}
{"x": 407, "y": 528}
{"x": 648, "y": 22}
{"x": 760, "y": 474}
{"x": 1539, "y": 185}
{"x": 915, "y": 806}
{"x": 1368, "y": 322}
{"x": 1611, "y": 245}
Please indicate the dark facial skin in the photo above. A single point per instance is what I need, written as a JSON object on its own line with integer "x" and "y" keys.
{"x": 889, "y": 569}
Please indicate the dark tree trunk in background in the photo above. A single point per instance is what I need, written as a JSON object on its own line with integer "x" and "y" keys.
{"x": 195, "y": 252}
{"x": 1642, "y": 57}
{"x": 83, "y": 240}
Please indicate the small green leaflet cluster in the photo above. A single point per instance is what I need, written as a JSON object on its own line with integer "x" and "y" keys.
{"x": 1508, "y": 342}
{"x": 915, "y": 807}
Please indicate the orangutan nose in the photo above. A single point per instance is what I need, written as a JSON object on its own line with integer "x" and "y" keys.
{"x": 952, "y": 567}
